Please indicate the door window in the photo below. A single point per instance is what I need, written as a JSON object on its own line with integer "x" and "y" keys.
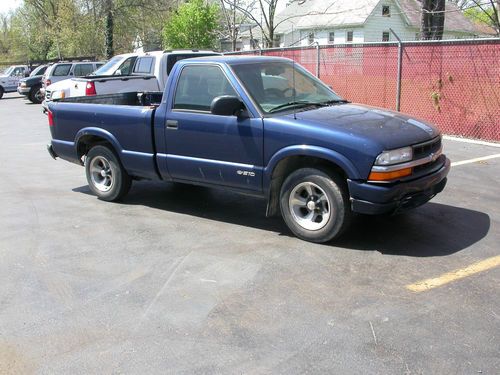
{"x": 126, "y": 68}
{"x": 144, "y": 65}
{"x": 82, "y": 70}
{"x": 199, "y": 85}
{"x": 61, "y": 70}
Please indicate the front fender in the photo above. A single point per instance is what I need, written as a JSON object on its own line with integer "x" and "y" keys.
{"x": 314, "y": 151}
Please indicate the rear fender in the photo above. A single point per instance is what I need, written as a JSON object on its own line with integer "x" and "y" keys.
{"x": 100, "y": 133}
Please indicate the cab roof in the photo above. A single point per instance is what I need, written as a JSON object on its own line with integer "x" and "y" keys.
{"x": 236, "y": 59}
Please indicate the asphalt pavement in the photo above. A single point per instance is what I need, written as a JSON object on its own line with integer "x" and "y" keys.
{"x": 190, "y": 280}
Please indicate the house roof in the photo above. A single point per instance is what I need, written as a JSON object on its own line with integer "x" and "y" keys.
{"x": 312, "y": 14}
{"x": 454, "y": 19}
{"x": 324, "y": 14}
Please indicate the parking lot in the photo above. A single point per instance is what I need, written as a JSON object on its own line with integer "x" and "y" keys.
{"x": 189, "y": 280}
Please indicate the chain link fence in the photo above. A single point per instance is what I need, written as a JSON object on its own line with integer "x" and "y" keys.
{"x": 453, "y": 84}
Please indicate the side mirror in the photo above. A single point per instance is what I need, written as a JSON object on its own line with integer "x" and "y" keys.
{"x": 227, "y": 105}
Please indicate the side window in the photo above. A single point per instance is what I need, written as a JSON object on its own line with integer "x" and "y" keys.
{"x": 83, "y": 70}
{"x": 199, "y": 85}
{"x": 144, "y": 65}
{"x": 61, "y": 70}
{"x": 126, "y": 67}
{"x": 18, "y": 72}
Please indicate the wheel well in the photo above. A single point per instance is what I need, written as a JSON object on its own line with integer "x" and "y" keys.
{"x": 290, "y": 164}
{"x": 86, "y": 142}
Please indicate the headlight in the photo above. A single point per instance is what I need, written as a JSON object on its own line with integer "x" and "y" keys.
{"x": 58, "y": 95}
{"x": 400, "y": 155}
{"x": 23, "y": 84}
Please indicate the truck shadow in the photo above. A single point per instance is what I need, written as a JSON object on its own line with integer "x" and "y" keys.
{"x": 431, "y": 230}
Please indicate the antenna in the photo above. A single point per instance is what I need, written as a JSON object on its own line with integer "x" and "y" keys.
{"x": 294, "y": 92}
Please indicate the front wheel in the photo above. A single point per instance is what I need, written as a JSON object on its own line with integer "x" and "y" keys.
{"x": 105, "y": 175}
{"x": 35, "y": 95}
{"x": 315, "y": 205}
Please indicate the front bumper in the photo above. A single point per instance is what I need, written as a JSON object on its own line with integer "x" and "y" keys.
{"x": 373, "y": 199}
{"x": 23, "y": 90}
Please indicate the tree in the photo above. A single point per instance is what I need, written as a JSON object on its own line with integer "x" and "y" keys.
{"x": 194, "y": 25}
{"x": 482, "y": 11}
{"x": 232, "y": 18}
{"x": 432, "y": 20}
{"x": 263, "y": 14}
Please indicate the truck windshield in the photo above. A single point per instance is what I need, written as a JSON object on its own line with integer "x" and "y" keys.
{"x": 281, "y": 86}
{"x": 38, "y": 71}
{"x": 109, "y": 68}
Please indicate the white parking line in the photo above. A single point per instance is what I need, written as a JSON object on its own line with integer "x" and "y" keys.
{"x": 475, "y": 160}
{"x": 473, "y": 141}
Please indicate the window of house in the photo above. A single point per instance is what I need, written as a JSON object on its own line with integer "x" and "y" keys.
{"x": 386, "y": 11}
{"x": 310, "y": 38}
{"x": 277, "y": 40}
{"x": 199, "y": 85}
{"x": 349, "y": 36}
{"x": 385, "y": 36}
{"x": 331, "y": 36}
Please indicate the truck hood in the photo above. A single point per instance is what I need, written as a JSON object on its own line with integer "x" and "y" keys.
{"x": 32, "y": 80}
{"x": 387, "y": 128}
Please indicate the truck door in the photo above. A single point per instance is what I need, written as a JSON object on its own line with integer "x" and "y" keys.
{"x": 206, "y": 148}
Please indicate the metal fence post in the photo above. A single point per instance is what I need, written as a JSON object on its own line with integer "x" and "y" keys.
{"x": 318, "y": 53}
{"x": 400, "y": 68}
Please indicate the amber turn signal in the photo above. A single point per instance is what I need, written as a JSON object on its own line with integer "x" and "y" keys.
{"x": 389, "y": 176}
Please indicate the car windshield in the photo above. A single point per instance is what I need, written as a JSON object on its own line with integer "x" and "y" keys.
{"x": 283, "y": 85}
{"x": 109, "y": 68}
{"x": 7, "y": 71}
{"x": 38, "y": 71}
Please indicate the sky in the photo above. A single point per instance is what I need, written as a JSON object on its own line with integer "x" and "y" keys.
{"x": 7, "y": 5}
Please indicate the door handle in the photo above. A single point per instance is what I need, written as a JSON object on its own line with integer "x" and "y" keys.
{"x": 172, "y": 124}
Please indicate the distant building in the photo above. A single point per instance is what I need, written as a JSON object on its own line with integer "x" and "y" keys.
{"x": 305, "y": 22}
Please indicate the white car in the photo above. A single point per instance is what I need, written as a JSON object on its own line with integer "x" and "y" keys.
{"x": 10, "y": 78}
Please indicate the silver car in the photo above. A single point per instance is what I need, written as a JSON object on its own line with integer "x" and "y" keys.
{"x": 65, "y": 70}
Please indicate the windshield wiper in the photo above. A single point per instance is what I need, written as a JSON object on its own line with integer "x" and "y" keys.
{"x": 301, "y": 103}
{"x": 305, "y": 103}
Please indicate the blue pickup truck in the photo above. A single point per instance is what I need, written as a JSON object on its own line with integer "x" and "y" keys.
{"x": 258, "y": 125}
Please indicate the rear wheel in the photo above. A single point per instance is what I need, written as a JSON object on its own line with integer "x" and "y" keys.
{"x": 105, "y": 175}
{"x": 315, "y": 205}
{"x": 35, "y": 95}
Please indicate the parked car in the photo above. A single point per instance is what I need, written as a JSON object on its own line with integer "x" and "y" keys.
{"x": 149, "y": 73}
{"x": 118, "y": 66}
{"x": 31, "y": 86}
{"x": 315, "y": 157}
{"x": 64, "y": 70}
{"x": 9, "y": 79}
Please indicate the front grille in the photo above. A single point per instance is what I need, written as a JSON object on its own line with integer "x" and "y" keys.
{"x": 424, "y": 149}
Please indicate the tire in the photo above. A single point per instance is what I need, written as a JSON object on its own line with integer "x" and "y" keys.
{"x": 1, "y": 92}
{"x": 35, "y": 96}
{"x": 315, "y": 205}
{"x": 105, "y": 174}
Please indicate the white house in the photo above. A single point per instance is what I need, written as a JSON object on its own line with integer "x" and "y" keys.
{"x": 305, "y": 22}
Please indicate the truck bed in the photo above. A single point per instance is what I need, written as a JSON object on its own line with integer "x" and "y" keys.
{"x": 136, "y": 98}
